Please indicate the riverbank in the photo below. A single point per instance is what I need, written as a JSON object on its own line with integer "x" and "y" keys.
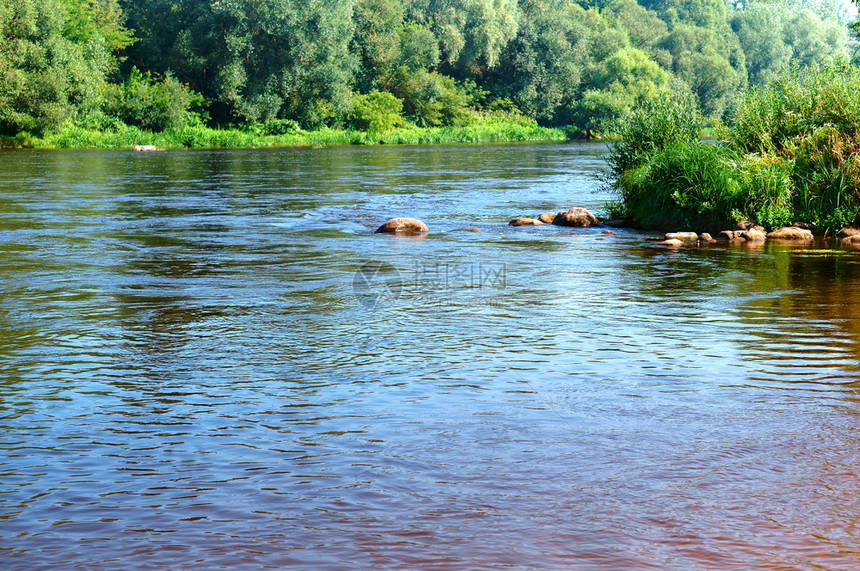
{"x": 482, "y": 130}
{"x": 788, "y": 155}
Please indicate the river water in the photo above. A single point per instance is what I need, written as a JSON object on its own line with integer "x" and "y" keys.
{"x": 210, "y": 360}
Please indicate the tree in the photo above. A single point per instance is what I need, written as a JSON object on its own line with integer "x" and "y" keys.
{"x": 471, "y": 32}
{"x": 623, "y": 82}
{"x": 54, "y": 56}
{"x": 254, "y": 59}
{"x": 541, "y": 69}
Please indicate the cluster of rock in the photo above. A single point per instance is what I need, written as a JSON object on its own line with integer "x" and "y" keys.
{"x": 743, "y": 232}
{"x": 574, "y": 217}
{"x": 582, "y": 218}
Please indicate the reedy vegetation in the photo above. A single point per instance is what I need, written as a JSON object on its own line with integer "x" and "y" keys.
{"x": 69, "y": 67}
{"x": 790, "y": 152}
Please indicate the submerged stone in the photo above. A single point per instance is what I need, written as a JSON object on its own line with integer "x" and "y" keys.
{"x": 525, "y": 222}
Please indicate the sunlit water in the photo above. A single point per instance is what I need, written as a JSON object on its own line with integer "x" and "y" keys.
{"x": 209, "y": 359}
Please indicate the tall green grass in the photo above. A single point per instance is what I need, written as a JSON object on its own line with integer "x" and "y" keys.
{"x": 789, "y": 153}
{"x": 485, "y": 127}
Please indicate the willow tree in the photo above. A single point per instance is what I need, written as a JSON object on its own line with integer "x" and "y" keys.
{"x": 470, "y": 32}
{"x": 254, "y": 59}
{"x": 54, "y": 58}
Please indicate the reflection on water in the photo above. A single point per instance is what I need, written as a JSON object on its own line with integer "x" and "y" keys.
{"x": 209, "y": 360}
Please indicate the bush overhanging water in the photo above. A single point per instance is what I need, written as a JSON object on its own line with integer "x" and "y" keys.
{"x": 789, "y": 153}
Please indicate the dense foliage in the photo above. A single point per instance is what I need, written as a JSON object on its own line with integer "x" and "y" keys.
{"x": 790, "y": 153}
{"x": 385, "y": 64}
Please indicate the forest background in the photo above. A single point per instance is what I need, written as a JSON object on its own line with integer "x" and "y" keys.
{"x": 281, "y": 67}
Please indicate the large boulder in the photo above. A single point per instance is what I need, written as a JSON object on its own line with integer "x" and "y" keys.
{"x": 790, "y": 233}
{"x": 578, "y": 217}
{"x": 403, "y": 226}
{"x": 854, "y": 240}
{"x": 705, "y": 237}
{"x": 525, "y": 222}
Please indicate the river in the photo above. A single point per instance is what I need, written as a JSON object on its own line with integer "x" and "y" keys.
{"x": 210, "y": 360}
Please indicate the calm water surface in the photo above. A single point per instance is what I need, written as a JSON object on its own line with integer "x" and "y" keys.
{"x": 208, "y": 359}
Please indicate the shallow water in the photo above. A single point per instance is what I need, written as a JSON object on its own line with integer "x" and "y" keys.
{"x": 208, "y": 359}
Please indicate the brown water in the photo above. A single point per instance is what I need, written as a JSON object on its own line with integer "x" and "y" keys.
{"x": 209, "y": 360}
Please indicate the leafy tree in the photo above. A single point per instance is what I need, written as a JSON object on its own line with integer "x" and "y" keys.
{"x": 470, "y": 31}
{"x": 541, "y": 69}
{"x": 626, "y": 80}
{"x": 54, "y": 56}
{"x": 255, "y": 59}
{"x": 710, "y": 61}
{"x": 377, "y": 40}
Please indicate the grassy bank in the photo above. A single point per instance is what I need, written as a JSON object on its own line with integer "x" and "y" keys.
{"x": 483, "y": 128}
{"x": 789, "y": 153}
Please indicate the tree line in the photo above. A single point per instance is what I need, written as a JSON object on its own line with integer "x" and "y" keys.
{"x": 376, "y": 64}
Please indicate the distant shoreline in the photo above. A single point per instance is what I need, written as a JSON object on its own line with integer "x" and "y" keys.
{"x": 200, "y": 137}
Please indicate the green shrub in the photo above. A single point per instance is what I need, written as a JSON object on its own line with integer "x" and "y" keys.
{"x": 153, "y": 105}
{"x": 281, "y": 127}
{"x": 686, "y": 185}
{"x": 790, "y": 152}
{"x": 376, "y": 111}
{"x": 431, "y": 99}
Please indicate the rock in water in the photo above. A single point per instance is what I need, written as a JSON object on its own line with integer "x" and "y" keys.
{"x": 682, "y": 236}
{"x": 403, "y": 225}
{"x": 705, "y": 237}
{"x": 547, "y": 217}
{"x": 143, "y": 148}
{"x": 749, "y": 225}
{"x": 525, "y": 222}
{"x": 790, "y": 233}
{"x": 753, "y": 235}
{"x": 672, "y": 242}
{"x": 579, "y": 217}
{"x": 848, "y": 231}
